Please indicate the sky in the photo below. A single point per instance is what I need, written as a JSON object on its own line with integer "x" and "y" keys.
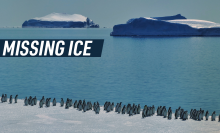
{"x": 107, "y": 13}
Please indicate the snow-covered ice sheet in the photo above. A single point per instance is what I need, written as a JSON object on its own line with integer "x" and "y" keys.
{"x": 176, "y": 25}
{"x": 60, "y": 20}
{"x": 62, "y": 17}
{"x": 56, "y": 119}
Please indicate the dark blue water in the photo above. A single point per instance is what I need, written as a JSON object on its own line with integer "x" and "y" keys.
{"x": 167, "y": 71}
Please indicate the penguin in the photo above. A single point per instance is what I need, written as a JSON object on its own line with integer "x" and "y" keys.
{"x": 136, "y": 109}
{"x": 26, "y": 102}
{"x": 143, "y": 115}
{"x": 116, "y": 107}
{"x": 2, "y": 98}
{"x": 109, "y": 108}
{"x": 213, "y": 116}
{"x": 131, "y": 111}
{"x": 29, "y": 100}
{"x": 41, "y": 103}
{"x": 35, "y": 100}
{"x": 16, "y": 98}
{"x": 10, "y": 100}
{"x": 61, "y": 102}
{"x": 185, "y": 115}
{"x": 200, "y": 116}
{"x": 97, "y": 109}
{"x": 153, "y": 109}
{"x": 43, "y": 100}
{"x": 5, "y": 97}
{"x": 119, "y": 108}
{"x": 169, "y": 115}
{"x": 80, "y": 107}
{"x": 54, "y": 102}
{"x": 148, "y": 112}
{"x": 75, "y": 104}
{"x": 128, "y": 108}
{"x": 71, "y": 102}
{"x": 139, "y": 109}
{"x": 32, "y": 102}
{"x": 165, "y": 113}
{"x": 176, "y": 114}
{"x": 191, "y": 113}
{"x": 158, "y": 110}
{"x": 85, "y": 108}
{"x": 112, "y": 107}
{"x": 219, "y": 118}
{"x": 207, "y": 115}
{"x": 123, "y": 109}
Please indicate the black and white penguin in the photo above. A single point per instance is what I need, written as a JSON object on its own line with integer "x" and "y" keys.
{"x": 213, "y": 116}
{"x": 119, "y": 108}
{"x": 67, "y": 104}
{"x": 139, "y": 109}
{"x": 123, "y": 109}
{"x": 75, "y": 104}
{"x": 108, "y": 107}
{"x": 43, "y": 100}
{"x": 200, "y": 116}
{"x": 35, "y": 100}
{"x": 29, "y": 100}
{"x": 16, "y": 98}
{"x": 97, "y": 109}
{"x": 116, "y": 107}
{"x": 41, "y": 103}
{"x": 85, "y": 107}
{"x": 131, "y": 111}
{"x": 61, "y": 102}
{"x": 10, "y": 99}
{"x": 26, "y": 102}
{"x": 32, "y": 102}
{"x": 169, "y": 115}
{"x": 112, "y": 107}
{"x": 128, "y": 108}
{"x": 207, "y": 115}
{"x": 165, "y": 113}
{"x": 185, "y": 115}
{"x": 176, "y": 114}
{"x": 3, "y": 98}
{"x": 219, "y": 118}
{"x": 54, "y": 102}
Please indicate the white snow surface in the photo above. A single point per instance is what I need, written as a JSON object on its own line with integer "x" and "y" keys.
{"x": 62, "y": 17}
{"x": 195, "y": 23}
{"x": 56, "y": 119}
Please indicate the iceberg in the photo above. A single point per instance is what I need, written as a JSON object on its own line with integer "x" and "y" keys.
{"x": 21, "y": 119}
{"x": 176, "y": 25}
{"x": 60, "y": 20}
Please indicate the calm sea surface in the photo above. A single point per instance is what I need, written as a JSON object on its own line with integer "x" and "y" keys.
{"x": 167, "y": 71}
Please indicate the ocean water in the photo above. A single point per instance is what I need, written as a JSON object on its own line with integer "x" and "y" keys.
{"x": 166, "y": 71}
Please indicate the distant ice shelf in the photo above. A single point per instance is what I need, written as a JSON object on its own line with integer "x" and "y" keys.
{"x": 176, "y": 25}
{"x": 21, "y": 119}
{"x": 60, "y": 20}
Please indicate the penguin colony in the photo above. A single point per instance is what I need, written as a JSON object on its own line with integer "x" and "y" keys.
{"x": 108, "y": 107}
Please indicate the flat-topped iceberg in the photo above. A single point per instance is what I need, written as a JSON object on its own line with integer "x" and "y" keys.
{"x": 60, "y": 20}
{"x": 166, "y": 26}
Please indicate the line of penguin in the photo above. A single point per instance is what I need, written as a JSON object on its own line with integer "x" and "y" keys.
{"x": 108, "y": 107}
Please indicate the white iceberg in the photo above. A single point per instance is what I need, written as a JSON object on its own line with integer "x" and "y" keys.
{"x": 166, "y": 26}
{"x": 60, "y": 20}
{"x": 21, "y": 119}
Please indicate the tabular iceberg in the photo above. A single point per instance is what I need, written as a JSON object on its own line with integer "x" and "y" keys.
{"x": 60, "y": 20}
{"x": 176, "y": 25}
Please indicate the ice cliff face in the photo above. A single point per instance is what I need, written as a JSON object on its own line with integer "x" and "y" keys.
{"x": 166, "y": 26}
{"x": 60, "y": 20}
